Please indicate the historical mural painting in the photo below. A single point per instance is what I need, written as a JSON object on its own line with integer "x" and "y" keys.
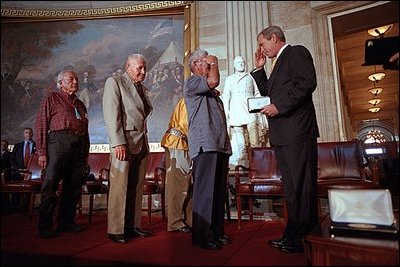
{"x": 33, "y": 53}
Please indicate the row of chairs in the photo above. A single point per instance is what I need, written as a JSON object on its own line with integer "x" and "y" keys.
{"x": 99, "y": 164}
{"x": 339, "y": 167}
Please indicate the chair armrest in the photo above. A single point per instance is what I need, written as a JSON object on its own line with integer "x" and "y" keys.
{"x": 159, "y": 175}
{"x": 104, "y": 177}
{"x": 241, "y": 171}
{"x": 104, "y": 174}
{"x": 374, "y": 170}
{"x": 6, "y": 174}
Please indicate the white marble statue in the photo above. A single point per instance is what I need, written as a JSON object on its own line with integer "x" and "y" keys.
{"x": 242, "y": 125}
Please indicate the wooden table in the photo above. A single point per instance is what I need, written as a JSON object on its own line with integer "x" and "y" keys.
{"x": 324, "y": 250}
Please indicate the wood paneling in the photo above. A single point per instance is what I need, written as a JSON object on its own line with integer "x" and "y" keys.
{"x": 355, "y": 84}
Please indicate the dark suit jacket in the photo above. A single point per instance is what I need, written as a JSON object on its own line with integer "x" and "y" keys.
{"x": 290, "y": 87}
{"x": 5, "y": 160}
{"x": 17, "y": 156}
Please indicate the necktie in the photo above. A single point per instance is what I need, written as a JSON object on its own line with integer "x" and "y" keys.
{"x": 77, "y": 115}
{"x": 273, "y": 63}
{"x": 141, "y": 93}
{"x": 27, "y": 154}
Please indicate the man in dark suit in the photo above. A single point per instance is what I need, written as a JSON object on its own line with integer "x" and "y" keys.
{"x": 5, "y": 166}
{"x": 5, "y": 155}
{"x": 293, "y": 129}
{"x": 19, "y": 159}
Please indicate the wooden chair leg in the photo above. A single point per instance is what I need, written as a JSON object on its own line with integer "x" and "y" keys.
{"x": 91, "y": 198}
{"x": 163, "y": 206}
{"x": 285, "y": 212}
{"x": 251, "y": 201}
{"x": 31, "y": 204}
{"x": 80, "y": 205}
{"x": 227, "y": 205}
{"x": 23, "y": 202}
{"x": 149, "y": 202}
{"x": 239, "y": 211}
{"x": 319, "y": 207}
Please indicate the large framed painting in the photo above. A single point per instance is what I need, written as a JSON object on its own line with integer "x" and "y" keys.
{"x": 36, "y": 46}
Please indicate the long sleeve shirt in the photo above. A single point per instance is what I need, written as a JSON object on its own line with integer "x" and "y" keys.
{"x": 60, "y": 111}
{"x": 176, "y": 135}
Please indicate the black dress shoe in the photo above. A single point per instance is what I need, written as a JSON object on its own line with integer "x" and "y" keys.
{"x": 184, "y": 229}
{"x": 212, "y": 245}
{"x": 224, "y": 240}
{"x": 134, "y": 232}
{"x": 293, "y": 247}
{"x": 278, "y": 242}
{"x": 73, "y": 228}
{"x": 118, "y": 238}
{"x": 47, "y": 234}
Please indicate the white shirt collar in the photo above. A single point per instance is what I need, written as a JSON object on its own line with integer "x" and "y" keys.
{"x": 281, "y": 50}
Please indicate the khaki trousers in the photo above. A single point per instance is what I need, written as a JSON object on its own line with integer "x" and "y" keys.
{"x": 125, "y": 194}
{"x": 178, "y": 178}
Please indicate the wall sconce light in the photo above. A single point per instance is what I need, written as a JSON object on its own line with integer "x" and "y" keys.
{"x": 374, "y": 101}
{"x": 380, "y": 31}
{"x": 374, "y": 109}
{"x": 377, "y": 76}
{"x": 375, "y": 91}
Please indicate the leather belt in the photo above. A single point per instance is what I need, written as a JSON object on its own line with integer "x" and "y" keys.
{"x": 71, "y": 132}
{"x": 178, "y": 133}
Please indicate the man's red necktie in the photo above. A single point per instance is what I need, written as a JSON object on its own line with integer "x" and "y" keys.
{"x": 27, "y": 154}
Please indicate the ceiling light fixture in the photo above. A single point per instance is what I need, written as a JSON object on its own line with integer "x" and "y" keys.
{"x": 375, "y": 137}
{"x": 374, "y": 101}
{"x": 380, "y": 31}
{"x": 376, "y": 77}
{"x": 375, "y": 91}
{"x": 374, "y": 109}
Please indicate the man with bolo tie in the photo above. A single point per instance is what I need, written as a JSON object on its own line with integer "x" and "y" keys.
{"x": 63, "y": 148}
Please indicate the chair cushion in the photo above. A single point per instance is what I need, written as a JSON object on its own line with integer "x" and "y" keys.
{"x": 150, "y": 187}
{"x": 273, "y": 187}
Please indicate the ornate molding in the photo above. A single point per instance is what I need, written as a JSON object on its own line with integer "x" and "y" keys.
{"x": 105, "y": 148}
{"x": 91, "y": 12}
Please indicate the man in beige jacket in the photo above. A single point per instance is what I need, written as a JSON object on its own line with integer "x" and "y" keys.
{"x": 126, "y": 108}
